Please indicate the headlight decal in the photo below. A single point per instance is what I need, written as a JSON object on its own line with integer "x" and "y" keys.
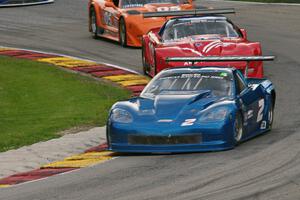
{"x": 214, "y": 114}
{"x": 121, "y": 116}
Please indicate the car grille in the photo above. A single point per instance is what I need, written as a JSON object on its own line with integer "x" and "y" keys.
{"x": 164, "y": 140}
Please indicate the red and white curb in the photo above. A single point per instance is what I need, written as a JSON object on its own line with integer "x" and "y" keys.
{"x": 123, "y": 77}
{"x": 90, "y": 157}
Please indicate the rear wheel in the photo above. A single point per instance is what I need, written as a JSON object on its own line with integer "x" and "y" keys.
{"x": 271, "y": 115}
{"x": 238, "y": 128}
{"x": 93, "y": 25}
{"x": 122, "y": 33}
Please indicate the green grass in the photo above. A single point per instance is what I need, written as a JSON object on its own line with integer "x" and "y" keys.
{"x": 272, "y": 1}
{"x": 38, "y": 100}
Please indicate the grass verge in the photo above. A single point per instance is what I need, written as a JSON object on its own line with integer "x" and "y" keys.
{"x": 271, "y": 1}
{"x": 38, "y": 100}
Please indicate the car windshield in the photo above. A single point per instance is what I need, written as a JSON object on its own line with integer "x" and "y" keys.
{"x": 197, "y": 27}
{"x": 179, "y": 83}
{"x": 141, "y": 3}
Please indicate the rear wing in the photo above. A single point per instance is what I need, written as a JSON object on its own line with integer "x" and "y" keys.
{"x": 189, "y": 12}
{"x": 222, "y": 59}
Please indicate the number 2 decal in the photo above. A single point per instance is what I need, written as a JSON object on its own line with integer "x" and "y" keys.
{"x": 188, "y": 122}
{"x": 261, "y": 105}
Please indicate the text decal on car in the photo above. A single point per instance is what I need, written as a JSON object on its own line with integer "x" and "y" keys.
{"x": 173, "y": 8}
{"x": 188, "y": 122}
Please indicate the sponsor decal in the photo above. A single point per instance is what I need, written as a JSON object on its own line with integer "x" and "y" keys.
{"x": 165, "y": 120}
{"x": 224, "y": 74}
{"x": 147, "y": 112}
{"x": 249, "y": 114}
{"x": 172, "y": 8}
{"x": 110, "y": 19}
{"x": 107, "y": 18}
{"x": 133, "y": 5}
{"x": 198, "y": 44}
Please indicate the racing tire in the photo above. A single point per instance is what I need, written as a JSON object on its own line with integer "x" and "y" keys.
{"x": 122, "y": 33}
{"x": 145, "y": 64}
{"x": 271, "y": 115}
{"x": 154, "y": 67}
{"x": 238, "y": 129}
{"x": 107, "y": 137}
{"x": 93, "y": 25}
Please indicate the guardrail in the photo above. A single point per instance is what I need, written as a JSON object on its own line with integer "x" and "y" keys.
{"x": 14, "y": 3}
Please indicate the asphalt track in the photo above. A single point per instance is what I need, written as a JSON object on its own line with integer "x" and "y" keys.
{"x": 266, "y": 167}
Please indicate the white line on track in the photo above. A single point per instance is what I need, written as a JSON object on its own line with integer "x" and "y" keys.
{"x": 74, "y": 57}
{"x": 258, "y": 3}
{"x": 25, "y": 4}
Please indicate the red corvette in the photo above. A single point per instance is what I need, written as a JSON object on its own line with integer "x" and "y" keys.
{"x": 193, "y": 35}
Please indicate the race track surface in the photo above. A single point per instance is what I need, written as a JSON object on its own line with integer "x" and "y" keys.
{"x": 266, "y": 167}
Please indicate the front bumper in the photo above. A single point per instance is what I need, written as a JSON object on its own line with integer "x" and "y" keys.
{"x": 197, "y": 138}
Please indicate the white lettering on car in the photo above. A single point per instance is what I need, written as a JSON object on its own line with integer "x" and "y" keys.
{"x": 261, "y": 105}
{"x": 188, "y": 122}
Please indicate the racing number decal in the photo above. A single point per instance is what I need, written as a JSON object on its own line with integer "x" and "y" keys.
{"x": 188, "y": 122}
{"x": 261, "y": 105}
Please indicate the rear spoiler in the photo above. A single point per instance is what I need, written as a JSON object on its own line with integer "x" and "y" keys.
{"x": 189, "y": 12}
{"x": 222, "y": 59}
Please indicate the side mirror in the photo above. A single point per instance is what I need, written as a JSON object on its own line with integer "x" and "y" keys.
{"x": 244, "y": 33}
{"x": 109, "y": 4}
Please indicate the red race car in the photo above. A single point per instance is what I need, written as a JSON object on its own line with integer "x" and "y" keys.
{"x": 198, "y": 33}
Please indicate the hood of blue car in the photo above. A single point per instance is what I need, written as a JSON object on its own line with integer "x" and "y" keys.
{"x": 170, "y": 107}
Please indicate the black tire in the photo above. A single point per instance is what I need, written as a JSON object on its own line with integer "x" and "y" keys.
{"x": 154, "y": 67}
{"x": 122, "y": 33}
{"x": 93, "y": 23}
{"x": 238, "y": 129}
{"x": 271, "y": 115}
{"x": 107, "y": 136}
{"x": 145, "y": 64}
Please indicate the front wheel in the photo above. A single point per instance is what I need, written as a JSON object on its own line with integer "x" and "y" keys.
{"x": 154, "y": 64}
{"x": 122, "y": 33}
{"x": 238, "y": 129}
{"x": 145, "y": 63}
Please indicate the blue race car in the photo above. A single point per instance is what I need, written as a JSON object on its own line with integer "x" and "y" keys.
{"x": 193, "y": 109}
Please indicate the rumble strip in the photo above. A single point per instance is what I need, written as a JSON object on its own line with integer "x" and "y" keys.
{"x": 125, "y": 78}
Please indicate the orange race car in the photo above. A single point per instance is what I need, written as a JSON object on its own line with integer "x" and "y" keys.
{"x": 123, "y": 21}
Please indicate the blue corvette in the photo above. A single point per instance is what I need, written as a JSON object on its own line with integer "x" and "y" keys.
{"x": 193, "y": 109}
